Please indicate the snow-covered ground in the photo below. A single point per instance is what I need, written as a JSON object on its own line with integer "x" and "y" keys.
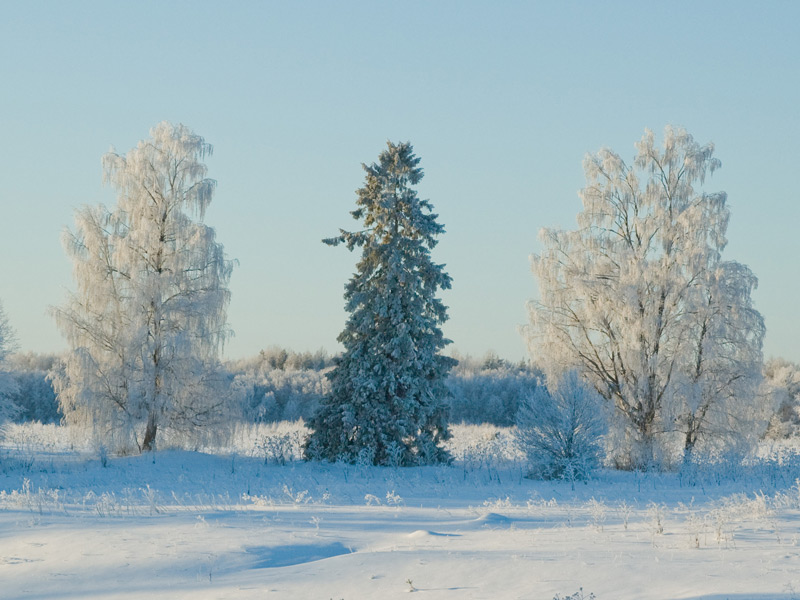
{"x": 238, "y": 524}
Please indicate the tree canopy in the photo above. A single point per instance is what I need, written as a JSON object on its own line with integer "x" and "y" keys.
{"x": 640, "y": 301}
{"x": 149, "y": 315}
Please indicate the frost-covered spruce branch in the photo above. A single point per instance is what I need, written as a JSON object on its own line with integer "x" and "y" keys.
{"x": 386, "y": 404}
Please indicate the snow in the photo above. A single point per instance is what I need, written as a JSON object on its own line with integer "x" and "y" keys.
{"x": 181, "y": 524}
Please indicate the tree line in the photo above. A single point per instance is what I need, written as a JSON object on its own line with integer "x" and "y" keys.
{"x": 647, "y": 340}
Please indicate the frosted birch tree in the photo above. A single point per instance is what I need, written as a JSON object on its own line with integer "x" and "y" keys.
{"x": 149, "y": 315}
{"x": 639, "y": 300}
{"x": 8, "y": 385}
{"x": 386, "y": 404}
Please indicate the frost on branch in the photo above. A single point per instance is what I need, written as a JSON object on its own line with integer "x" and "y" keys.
{"x": 781, "y": 390}
{"x": 386, "y": 404}
{"x": 148, "y": 318}
{"x": 560, "y": 430}
{"x": 8, "y": 385}
{"x": 640, "y": 302}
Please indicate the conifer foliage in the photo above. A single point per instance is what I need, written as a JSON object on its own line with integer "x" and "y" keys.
{"x": 387, "y": 389}
{"x": 149, "y": 315}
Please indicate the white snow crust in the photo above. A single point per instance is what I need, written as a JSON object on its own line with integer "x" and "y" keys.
{"x": 182, "y": 524}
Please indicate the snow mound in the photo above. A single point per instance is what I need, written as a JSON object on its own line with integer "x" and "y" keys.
{"x": 424, "y": 533}
{"x": 494, "y": 521}
{"x": 420, "y": 533}
{"x": 285, "y": 556}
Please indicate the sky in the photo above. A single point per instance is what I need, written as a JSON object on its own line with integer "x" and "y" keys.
{"x": 501, "y": 100}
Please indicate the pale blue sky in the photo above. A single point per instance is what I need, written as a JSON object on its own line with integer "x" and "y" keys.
{"x": 500, "y": 99}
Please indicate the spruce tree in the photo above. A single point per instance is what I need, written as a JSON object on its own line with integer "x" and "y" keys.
{"x": 386, "y": 404}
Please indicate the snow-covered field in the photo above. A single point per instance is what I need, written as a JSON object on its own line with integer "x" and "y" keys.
{"x": 237, "y": 523}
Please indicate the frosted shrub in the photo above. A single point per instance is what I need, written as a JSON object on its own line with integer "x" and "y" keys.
{"x": 483, "y": 446}
{"x": 276, "y": 443}
{"x": 29, "y": 438}
{"x": 597, "y": 510}
{"x": 31, "y": 442}
{"x": 655, "y": 514}
{"x": 560, "y": 431}
{"x": 282, "y": 444}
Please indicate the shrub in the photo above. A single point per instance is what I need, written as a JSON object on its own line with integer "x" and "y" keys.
{"x": 560, "y": 430}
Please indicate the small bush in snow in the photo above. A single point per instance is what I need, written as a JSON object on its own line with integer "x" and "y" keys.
{"x": 560, "y": 430}
{"x": 282, "y": 445}
{"x": 483, "y": 446}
